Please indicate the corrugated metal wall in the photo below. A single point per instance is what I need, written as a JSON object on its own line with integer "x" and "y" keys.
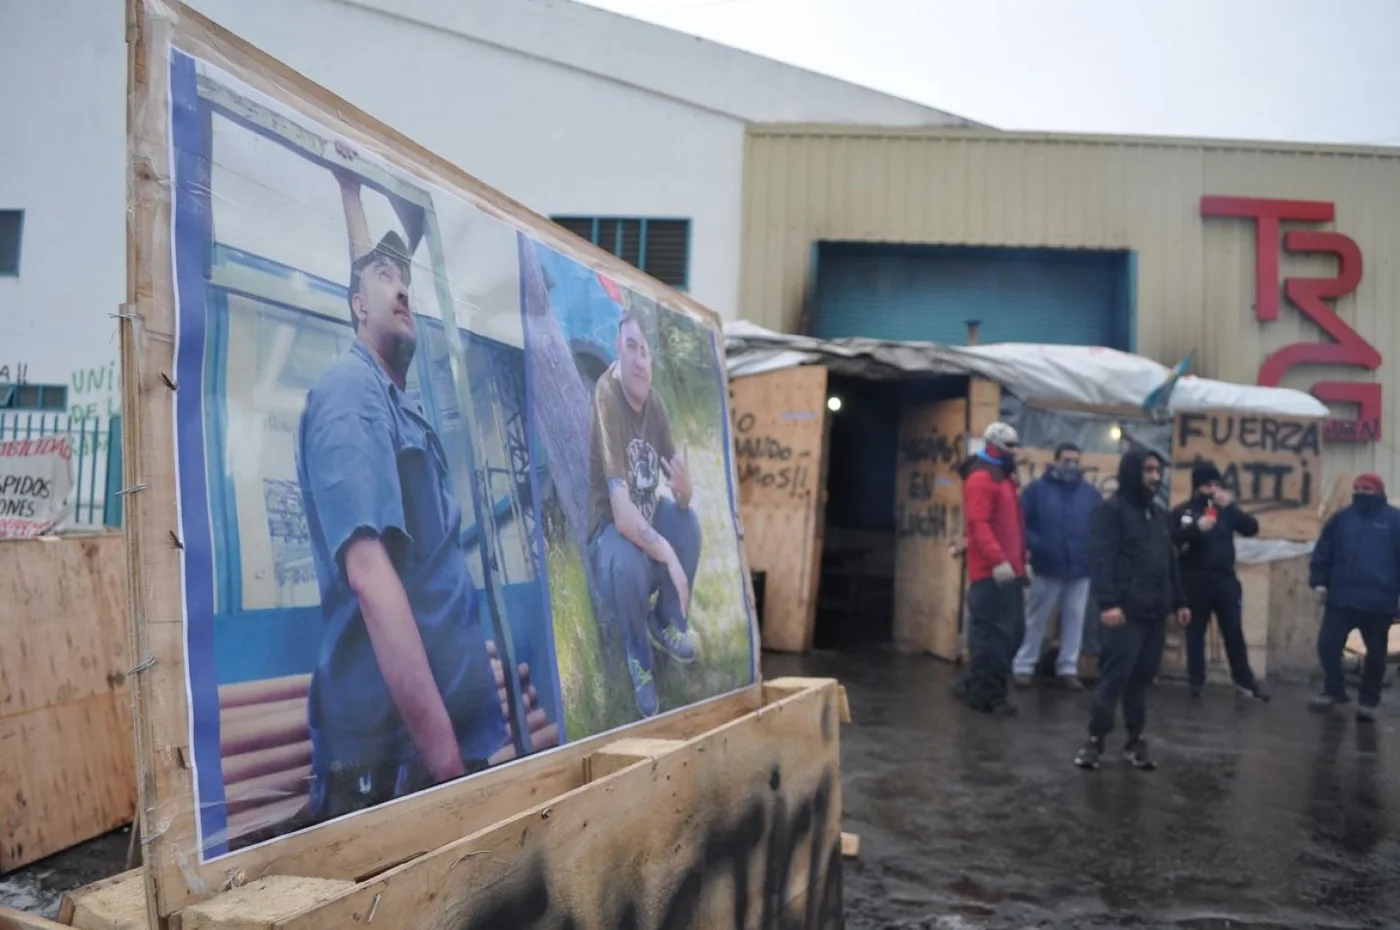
{"x": 1195, "y": 276}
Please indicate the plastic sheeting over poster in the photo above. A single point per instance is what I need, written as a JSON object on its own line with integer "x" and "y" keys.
{"x": 448, "y": 494}
{"x": 1072, "y": 374}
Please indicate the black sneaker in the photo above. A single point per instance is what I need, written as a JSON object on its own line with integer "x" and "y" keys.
{"x": 1197, "y": 690}
{"x": 1255, "y": 693}
{"x": 1089, "y": 754}
{"x": 1137, "y": 755}
{"x": 1366, "y": 713}
{"x": 1325, "y": 702}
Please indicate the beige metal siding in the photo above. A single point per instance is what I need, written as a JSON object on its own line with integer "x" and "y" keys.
{"x": 1195, "y": 276}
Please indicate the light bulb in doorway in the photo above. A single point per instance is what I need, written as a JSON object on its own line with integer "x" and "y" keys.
{"x": 1115, "y": 432}
{"x": 833, "y": 404}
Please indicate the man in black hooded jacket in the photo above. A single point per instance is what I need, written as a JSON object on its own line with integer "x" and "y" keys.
{"x": 1133, "y": 566}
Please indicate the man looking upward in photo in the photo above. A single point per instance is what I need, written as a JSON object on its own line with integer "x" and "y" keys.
{"x": 403, "y": 695}
{"x": 642, "y": 543}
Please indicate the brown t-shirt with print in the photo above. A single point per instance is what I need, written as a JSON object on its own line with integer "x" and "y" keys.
{"x": 627, "y": 445}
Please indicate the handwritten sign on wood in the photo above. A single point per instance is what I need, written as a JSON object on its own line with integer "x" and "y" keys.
{"x": 1100, "y": 468}
{"x": 1271, "y": 464}
{"x": 928, "y": 516}
{"x": 779, "y": 429}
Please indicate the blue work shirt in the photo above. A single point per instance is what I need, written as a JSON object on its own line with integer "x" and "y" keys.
{"x": 370, "y": 465}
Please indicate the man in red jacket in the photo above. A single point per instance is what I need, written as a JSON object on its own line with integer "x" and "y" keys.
{"x": 996, "y": 568}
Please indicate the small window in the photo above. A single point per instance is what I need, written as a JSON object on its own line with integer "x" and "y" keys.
{"x": 33, "y": 397}
{"x": 661, "y": 248}
{"x": 11, "y": 226}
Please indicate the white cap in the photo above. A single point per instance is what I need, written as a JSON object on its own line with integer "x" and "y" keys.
{"x": 1001, "y": 435}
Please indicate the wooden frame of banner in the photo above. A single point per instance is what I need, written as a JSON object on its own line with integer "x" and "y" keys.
{"x": 174, "y": 876}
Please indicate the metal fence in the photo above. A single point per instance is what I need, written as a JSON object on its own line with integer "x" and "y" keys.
{"x": 97, "y": 459}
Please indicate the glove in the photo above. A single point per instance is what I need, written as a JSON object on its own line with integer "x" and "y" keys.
{"x": 1004, "y": 573}
{"x": 1320, "y": 594}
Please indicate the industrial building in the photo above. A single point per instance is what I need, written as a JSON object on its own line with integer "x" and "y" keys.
{"x": 1275, "y": 264}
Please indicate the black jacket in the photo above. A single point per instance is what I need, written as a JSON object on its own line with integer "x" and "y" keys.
{"x": 1213, "y": 552}
{"x": 1131, "y": 558}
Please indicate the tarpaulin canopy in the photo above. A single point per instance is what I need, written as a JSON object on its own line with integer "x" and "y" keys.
{"x": 1074, "y": 374}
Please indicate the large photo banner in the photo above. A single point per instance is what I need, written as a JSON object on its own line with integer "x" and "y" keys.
{"x": 447, "y": 496}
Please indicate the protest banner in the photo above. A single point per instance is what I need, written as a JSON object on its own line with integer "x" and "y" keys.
{"x": 421, "y": 452}
{"x": 36, "y": 485}
{"x": 1271, "y": 464}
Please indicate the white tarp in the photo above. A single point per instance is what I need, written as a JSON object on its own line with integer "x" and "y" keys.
{"x": 36, "y": 485}
{"x": 1080, "y": 374}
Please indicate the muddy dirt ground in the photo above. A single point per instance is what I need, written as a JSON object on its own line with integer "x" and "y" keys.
{"x": 1261, "y": 817}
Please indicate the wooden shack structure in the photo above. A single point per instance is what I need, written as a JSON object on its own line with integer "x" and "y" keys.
{"x": 848, "y": 454}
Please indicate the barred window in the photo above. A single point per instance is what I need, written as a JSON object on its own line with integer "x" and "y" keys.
{"x": 661, "y": 248}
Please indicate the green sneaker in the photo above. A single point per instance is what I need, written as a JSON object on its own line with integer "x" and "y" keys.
{"x": 672, "y": 640}
{"x": 645, "y": 687}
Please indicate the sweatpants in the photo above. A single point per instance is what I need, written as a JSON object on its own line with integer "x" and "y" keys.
{"x": 998, "y": 620}
{"x": 1129, "y": 658}
{"x": 1071, "y": 597}
{"x": 627, "y": 576}
{"x": 1220, "y": 595}
{"x": 1337, "y": 625}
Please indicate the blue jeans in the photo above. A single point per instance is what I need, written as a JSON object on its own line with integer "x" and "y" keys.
{"x": 627, "y": 577}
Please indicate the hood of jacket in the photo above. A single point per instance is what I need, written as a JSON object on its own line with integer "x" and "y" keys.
{"x": 979, "y": 463}
{"x": 1130, "y": 484}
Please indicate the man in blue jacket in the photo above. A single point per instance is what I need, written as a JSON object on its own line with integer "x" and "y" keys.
{"x": 1057, "y": 506}
{"x": 1355, "y": 571}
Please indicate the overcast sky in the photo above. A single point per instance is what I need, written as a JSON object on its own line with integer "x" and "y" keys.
{"x": 1299, "y": 70}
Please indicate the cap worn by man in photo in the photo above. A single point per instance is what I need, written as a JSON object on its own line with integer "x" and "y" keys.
{"x": 392, "y": 248}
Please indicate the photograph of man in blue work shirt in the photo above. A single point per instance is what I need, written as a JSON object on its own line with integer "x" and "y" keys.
{"x": 403, "y": 695}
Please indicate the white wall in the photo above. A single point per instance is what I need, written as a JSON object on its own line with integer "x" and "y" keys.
{"x": 62, "y": 161}
{"x": 557, "y": 139}
{"x": 635, "y": 121}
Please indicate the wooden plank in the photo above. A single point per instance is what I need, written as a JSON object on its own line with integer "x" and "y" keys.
{"x": 617, "y": 756}
{"x": 984, "y": 405}
{"x": 780, "y": 421}
{"x": 63, "y": 696}
{"x": 753, "y": 807}
{"x": 1100, "y": 468}
{"x": 65, "y": 603}
{"x": 928, "y": 516}
{"x": 66, "y": 775}
{"x": 117, "y": 903}
{"x": 850, "y": 846}
{"x": 370, "y": 841}
{"x": 1272, "y": 464}
{"x": 11, "y": 919}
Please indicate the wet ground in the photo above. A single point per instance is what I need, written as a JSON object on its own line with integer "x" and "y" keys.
{"x": 1260, "y": 816}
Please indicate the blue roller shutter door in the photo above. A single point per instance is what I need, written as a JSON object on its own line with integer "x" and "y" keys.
{"x": 928, "y": 293}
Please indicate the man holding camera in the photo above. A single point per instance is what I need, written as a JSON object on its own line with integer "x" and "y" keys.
{"x": 1203, "y": 530}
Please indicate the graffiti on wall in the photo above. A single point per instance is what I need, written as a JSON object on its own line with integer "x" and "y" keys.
{"x": 1313, "y": 297}
{"x": 759, "y": 858}
{"x": 769, "y": 461}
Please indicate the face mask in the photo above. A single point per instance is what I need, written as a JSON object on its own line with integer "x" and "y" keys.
{"x": 1364, "y": 501}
